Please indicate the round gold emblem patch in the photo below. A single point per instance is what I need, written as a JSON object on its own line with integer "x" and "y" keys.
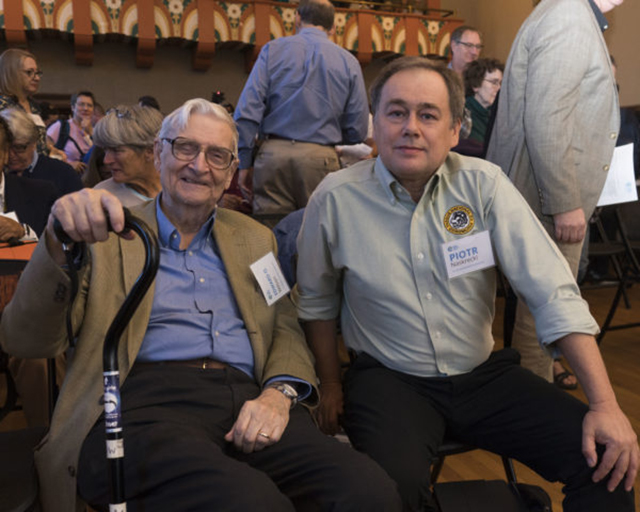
{"x": 459, "y": 220}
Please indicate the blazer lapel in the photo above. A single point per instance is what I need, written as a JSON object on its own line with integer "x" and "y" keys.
{"x": 132, "y": 254}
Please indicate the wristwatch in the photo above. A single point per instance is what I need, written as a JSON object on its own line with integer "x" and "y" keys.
{"x": 287, "y": 390}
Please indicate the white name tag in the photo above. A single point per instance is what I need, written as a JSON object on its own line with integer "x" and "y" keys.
{"x": 270, "y": 278}
{"x": 467, "y": 254}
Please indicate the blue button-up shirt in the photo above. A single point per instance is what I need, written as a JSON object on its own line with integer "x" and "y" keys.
{"x": 306, "y": 88}
{"x": 194, "y": 311}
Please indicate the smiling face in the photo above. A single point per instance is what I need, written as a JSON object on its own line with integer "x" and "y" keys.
{"x": 30, "y": 84}
{"x": 83, "y": 108}
{"x": 192, "y": 189}
{"x": 466, "y": 50}
{"x": 488, "y": 90}
{"x": 412, "y": 126}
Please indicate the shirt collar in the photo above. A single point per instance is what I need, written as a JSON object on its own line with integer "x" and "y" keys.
{"x": 34, "y": 162}
{"x": 600, "y": 18}
{"x": 394, "y": 190}
{"x": 312, "y": 31}
{"x": 169, "y": 236}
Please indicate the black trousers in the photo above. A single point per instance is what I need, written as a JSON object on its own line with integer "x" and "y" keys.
{"x": 176, "y": 459}
{"x": 400, "y": 420}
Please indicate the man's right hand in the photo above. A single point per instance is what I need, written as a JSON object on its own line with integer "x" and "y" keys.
{"x": 331, "y": 408}
{"x": 9, "y": 228}
{"x": 82, "y": 216}
{"x": 570, "y": 226}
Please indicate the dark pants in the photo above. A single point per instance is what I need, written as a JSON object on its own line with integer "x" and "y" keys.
{"x": 176, "y": 458}
{"x": 400, "y": 420}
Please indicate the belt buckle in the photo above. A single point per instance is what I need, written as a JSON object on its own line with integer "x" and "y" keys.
{"x": 204, "y": 363}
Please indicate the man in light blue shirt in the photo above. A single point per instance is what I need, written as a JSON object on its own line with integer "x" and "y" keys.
{"x": 403, "y": 249}
{"x": 305, "y": 95}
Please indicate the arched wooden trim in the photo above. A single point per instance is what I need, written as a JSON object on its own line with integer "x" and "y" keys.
{"x": 14, "y": 23}
{"x": 82, "y": 34}
{"x": 365, "y": 43}
{"x": 146, "y": 34}
{"x": 206, "y": 47}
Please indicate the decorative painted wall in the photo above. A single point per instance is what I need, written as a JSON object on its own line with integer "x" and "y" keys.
{"x": 207, "y": 24}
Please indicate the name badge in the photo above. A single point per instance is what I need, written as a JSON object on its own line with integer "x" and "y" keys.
{"x": 468, "y": 254}
{"x": 270, "y": 278}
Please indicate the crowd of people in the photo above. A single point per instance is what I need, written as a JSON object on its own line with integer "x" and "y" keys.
{"x": 389, "y": 229}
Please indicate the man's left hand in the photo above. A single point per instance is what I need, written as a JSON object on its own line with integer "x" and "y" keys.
{"x": 261, "y": 422}
{"x": 607, "y": 425}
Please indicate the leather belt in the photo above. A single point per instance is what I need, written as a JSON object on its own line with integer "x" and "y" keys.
{"x": 270, "y": 136}
{"x": 203, "y": 363}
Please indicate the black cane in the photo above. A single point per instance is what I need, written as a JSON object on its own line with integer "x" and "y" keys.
{"x": 111, "y": 373}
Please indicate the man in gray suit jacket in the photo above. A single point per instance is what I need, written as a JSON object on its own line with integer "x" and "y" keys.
{"x": 555, "y": 130}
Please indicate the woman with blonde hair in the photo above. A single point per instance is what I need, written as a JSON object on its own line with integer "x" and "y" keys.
{"x": 19, "y": 81}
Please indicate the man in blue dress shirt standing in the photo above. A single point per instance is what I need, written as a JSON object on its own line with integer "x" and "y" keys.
{"x": 304, "y": 95}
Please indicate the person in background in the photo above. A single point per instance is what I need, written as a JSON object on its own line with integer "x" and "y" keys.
{"x": 305, "y": 94}
{"x": 24, "y": 159}
{"x": 19, "y": 80}
{"x": 48, "y": 113}
{"x": 74, "y": 136}
{"x": 554, "y": 134}
{"x": 482, "y": 81}
{"x": 127, "y": 134}
{"x": 466, "y": 46}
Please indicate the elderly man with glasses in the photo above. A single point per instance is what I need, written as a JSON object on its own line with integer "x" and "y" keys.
{"x": 212, "y": 370}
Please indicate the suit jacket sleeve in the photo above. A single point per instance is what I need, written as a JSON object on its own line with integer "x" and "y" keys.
{"x": 561, "y": 52}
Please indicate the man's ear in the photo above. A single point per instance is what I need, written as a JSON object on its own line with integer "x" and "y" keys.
{"x": 455, "y": 133}
{"x": 157, "y": 149}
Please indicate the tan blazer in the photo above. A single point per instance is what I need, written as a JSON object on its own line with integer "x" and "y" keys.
{"x": 33, "y": 325}
{"x": 558, "y": 115}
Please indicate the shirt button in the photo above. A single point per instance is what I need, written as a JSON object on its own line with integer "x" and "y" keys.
{"x": 613, "y": 135}
{"x": 190, "y": 253}
{"x": 174, "y": 236}
{"x": 605, "y": 168}
{"x": 438, "y": 334}
{"x": 201, "y": 279}
{"x": 420, "y": 256}
{"x": 429, "y": 296}
{"x": 217, "y": 333}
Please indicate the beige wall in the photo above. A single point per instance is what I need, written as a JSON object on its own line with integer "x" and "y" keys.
{"x": 499, "y": 20}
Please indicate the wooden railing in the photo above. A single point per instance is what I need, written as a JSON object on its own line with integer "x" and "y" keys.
{"x": 208, "y": 24}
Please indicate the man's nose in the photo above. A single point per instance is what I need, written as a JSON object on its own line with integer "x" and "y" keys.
{"x": 411, "y": 124}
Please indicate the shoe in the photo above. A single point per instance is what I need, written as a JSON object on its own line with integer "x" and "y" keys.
{"x": 560, "y": 379}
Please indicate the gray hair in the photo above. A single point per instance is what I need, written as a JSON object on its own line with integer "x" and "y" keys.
{"x": 23, "y": 129}
{"x": 178, "y": 120}
{"x": 450, "y": 77}
{"x": 126, "y": 125}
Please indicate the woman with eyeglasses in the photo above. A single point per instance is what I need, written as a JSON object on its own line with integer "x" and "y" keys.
{"x": 482, "y": 81}
{"x": 19, "y": 81}
{"x": 127, "y": 134}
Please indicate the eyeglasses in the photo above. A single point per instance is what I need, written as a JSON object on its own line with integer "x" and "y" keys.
{"x": 188, "y": 150}
{"x": 33, "y": 72}
{"x": 471, "y": 45}
{"x": 121, "y": 113}
{"x": 494, "y": 81}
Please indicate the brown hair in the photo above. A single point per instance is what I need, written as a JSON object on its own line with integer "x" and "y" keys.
{"x": 10, "y": 68}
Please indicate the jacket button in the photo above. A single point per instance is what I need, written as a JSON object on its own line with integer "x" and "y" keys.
{"x": 605, "y": 168}
{"x": 613, "y": 135}
{"x": 72, "y": 471}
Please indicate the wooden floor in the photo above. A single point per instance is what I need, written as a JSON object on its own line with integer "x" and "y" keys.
{"x": 621, "y": 352}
